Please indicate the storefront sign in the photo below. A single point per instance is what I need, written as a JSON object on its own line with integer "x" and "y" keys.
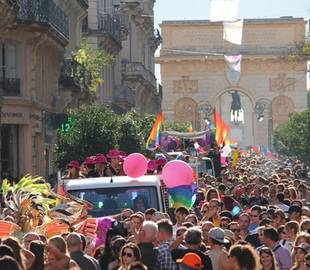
{"x": 14, "y": 115}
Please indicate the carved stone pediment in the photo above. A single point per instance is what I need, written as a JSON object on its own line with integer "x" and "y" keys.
{"x": 185, "y": 86}
{"x": 282, "y": 84}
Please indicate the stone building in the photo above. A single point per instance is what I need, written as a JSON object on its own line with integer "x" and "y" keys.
{"x": 126, "y": 29}
{"x": 33, "y": 38}
{"x": 196, "y": 79}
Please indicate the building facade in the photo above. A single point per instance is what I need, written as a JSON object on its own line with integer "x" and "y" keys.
{"x": 126, "y": 30}
{"x": 196, "y": 78}
{"x": 33, "y": 38}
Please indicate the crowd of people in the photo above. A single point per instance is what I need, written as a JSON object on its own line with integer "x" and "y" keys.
{"x": 254, "y": 216}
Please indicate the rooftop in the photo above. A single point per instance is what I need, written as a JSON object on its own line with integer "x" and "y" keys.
{"x": 285, "y": 19}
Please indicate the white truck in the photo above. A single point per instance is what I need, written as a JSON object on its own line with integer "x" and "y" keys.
{"x": 110, "y": 196}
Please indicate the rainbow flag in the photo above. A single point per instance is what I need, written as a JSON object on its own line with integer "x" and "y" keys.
{"x": 221, "y": 129}
{"x": 154, "y": 138}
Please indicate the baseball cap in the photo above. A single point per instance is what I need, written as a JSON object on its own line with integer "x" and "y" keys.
{"x": 191, "y": 260}
{"x": 218, "y": 235}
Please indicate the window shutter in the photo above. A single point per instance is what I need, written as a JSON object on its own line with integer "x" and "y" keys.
{"x": 10, "y": 60}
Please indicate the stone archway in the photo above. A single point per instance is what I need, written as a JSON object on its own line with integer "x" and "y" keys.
{"x": 242, "y": 131}
{"x": 186, "y": 110}
{"x": 281, "y": 107}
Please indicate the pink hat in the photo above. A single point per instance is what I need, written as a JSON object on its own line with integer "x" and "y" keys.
{"x": 152, "y": 165}
{"x": 90, "y": 160}
{"x": 100, "y": 159}
{"x": 114, "y": 154}
{"x": 74, "y": 164}
{"x": 161, "y": 161}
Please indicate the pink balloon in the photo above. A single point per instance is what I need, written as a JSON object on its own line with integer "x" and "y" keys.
{"x": 135, "y": 165}
{"x": 177, "y": 173}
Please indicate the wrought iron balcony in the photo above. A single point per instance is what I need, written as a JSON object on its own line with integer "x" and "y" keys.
{"x": 74, "y": 76}
{"x": 137, "y": 71}
{"x": 43, "y": 12}
{"x": 10, "y": 87}
{"x": 110, "y": 26}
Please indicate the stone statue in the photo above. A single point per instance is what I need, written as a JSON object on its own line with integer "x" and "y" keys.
{"x": 235, "y": 107}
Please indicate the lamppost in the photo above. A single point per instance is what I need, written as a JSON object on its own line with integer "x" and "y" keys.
{"x": 259, "y": 110}
{"x": 206, "y": 110}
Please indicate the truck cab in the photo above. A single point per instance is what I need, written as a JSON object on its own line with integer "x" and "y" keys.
{"x": 110, "y": 196}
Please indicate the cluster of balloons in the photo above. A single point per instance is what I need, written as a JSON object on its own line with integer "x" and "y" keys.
{"x": 177, "y": 175}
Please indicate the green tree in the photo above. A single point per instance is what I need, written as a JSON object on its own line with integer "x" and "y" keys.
{"x": 97, "y": 129}
{"x": 86, "y": 66}
{"x": 94, "y": 130}
{"x": 292, "y": 138}
{"x": 308, "y": 99}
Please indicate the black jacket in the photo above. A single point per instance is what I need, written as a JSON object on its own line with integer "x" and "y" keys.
{"x": 149, "y": 254}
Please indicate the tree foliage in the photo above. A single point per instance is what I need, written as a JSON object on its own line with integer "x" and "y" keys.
{"x": 308, "y": 99}
{"x": 292, "y": 138}
{"x": 87, "y": 65}
{"x": 97, "y": 129}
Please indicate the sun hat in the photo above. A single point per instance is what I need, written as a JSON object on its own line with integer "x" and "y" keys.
{"x": 114, "y": 153}
{"x": 152, "y": 165}
{"x": 218, "y": 235}
{"x": 90, "y": 160}
{"x": 100, "y": 159}
{"x": 74, "y": 164}
{"x": 191, "y": 260}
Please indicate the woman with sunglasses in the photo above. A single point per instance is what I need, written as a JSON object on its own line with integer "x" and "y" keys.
{"x": 130, "y": 253}
{"x": 267, "y": 259}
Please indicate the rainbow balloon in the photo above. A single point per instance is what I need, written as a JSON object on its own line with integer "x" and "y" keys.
{"x": 182, "y": 196}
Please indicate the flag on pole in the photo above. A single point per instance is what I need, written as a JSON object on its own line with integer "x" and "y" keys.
{"x": 233, "y": 32}
{"x": 221, "y": 129}
{"x": 154, "y": 138}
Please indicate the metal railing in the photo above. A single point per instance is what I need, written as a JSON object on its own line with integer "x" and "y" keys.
{"x": 10, "y": 87}
{"x": 45, "y": 12}
{"x": 111, "y": 26}
{"x": 138, "y": 69}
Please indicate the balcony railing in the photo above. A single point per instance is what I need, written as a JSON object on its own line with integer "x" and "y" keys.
{"x": 73, "y": 75}
{"x": 9, "y": 86}
{"x": 111, "y": 26}
{"x": 43, "y": 12}
{"x": 138, "y": 70}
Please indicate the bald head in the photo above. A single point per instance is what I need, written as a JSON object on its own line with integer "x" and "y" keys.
{"x": 148, "y": 232}
{"x": 74, "y": 242}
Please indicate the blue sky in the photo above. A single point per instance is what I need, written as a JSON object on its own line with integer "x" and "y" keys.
{"x": 199, "y": 10}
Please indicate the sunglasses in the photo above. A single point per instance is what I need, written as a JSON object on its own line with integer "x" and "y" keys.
{"x": 235, "y": 230}
{"x": 129, "y": 255}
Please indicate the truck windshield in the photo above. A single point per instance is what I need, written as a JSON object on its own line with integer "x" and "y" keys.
{"x": 110, "y": 201}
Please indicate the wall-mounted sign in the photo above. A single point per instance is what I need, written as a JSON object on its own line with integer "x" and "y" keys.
{"x": 14, "y": 115}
